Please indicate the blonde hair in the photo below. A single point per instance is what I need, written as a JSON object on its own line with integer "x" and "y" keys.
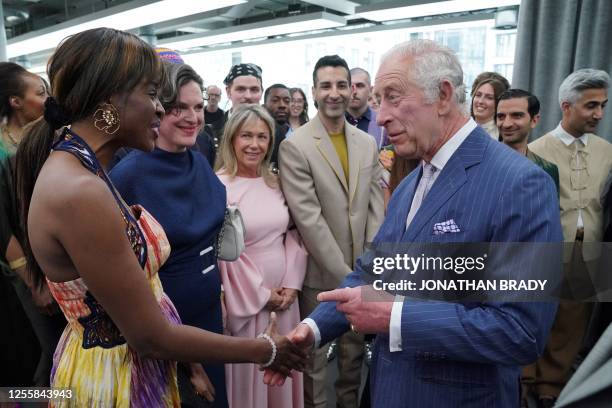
{"x": 226, "y": 159}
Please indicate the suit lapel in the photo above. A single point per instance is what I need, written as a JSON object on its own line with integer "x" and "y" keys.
{"x": 326, "y": 147}
{"x": 453, "y": 176}
{"x": 405, "y": 201}
{"x": 354, "y": 159}
{"x": 448, "y": 182}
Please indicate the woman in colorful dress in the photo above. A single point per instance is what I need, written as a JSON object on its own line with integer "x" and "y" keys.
{"x": 100, "y": 257}
{"x": 269, "y": 273}
{"x": 179, "y": 188}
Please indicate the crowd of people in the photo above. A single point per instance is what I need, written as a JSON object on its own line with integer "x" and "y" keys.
{"x": 115, "y": 179}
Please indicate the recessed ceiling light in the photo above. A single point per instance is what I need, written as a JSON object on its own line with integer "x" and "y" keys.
{"x": 126, "y": 16}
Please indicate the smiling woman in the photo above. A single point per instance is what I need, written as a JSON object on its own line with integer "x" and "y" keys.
{"x": 484, "y": 94}
{"x": 179, "y": 128}
{"x": 298, "y": 109}
{"x": 270, "y": 271}
{"x": 178, "y": 186}
{"x": 246, "y": 146}
{"x": 101, "y": 257}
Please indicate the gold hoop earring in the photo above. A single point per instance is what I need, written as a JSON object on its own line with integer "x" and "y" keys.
{"x": 106, "y": 119}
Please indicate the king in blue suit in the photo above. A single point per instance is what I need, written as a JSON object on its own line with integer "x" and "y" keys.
{"x": 436, "y": 353}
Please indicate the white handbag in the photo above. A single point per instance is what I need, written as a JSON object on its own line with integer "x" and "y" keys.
{"x": 230, "y": 242}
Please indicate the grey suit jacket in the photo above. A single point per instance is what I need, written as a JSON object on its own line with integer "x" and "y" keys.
{"x": 591, "y": 385}
{"x": 335, "y": 218}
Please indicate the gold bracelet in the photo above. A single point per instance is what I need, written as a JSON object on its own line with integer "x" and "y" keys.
{"x": 18, "y": 263}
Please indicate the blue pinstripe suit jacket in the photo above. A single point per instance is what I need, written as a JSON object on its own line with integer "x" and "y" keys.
{"x": 463, "y": 354}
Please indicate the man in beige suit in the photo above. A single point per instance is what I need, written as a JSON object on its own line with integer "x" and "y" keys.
{"x": 329, "y": 174}
{"x": 584, "y": 161}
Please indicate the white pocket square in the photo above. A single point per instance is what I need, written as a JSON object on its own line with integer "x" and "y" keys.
{"x": 445, "y": 227}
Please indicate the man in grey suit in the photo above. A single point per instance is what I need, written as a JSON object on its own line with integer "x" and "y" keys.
{"x": 329, "y": 174}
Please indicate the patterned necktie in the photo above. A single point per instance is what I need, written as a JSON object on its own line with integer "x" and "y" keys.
{"x": 421, "y": 191}
{"x": 579, "y": 175}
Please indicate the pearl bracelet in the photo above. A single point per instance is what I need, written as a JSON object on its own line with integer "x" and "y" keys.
{"x": 273, "y": 357}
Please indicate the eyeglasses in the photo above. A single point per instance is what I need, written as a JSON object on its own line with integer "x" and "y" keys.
{"x": 210, "y": 95}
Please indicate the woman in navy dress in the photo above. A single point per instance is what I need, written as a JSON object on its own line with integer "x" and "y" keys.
{"x": 179, "y": 188}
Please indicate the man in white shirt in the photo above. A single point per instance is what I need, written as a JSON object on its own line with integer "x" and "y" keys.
{"x": 584, "y": 161}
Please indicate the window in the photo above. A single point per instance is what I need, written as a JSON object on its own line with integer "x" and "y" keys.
{"x": 505, "y": 70}
{"x": 479, "y": 47}
{"x": 236, "y": 57}
{"x": 505, "y": 45}
{"x": 354, "y": 58}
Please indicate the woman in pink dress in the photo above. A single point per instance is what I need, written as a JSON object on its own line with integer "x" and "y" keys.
{"x": 270, "y": 271}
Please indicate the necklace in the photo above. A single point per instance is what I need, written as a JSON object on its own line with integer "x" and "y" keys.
{"x": 10, "y": 136}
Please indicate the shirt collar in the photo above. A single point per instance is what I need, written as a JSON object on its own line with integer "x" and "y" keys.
{"x": 450, "y": 147}
{"x": 566, "y": 138}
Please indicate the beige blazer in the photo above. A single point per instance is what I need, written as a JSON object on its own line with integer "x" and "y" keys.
{"x": 599, "y": 164}
{"x": 335, "y": 218}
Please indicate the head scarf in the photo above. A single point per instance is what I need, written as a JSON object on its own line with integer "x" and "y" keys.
{"x": 242, "y": 70}
{"x": 166, "y": 54}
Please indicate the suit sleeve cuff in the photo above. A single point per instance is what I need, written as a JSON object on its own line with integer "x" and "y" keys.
{"x": 395, "y": 325}
{"x": 315, "y": 329}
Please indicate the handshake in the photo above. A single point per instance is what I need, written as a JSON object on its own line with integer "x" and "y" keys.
{"x": 371, "y": 316}
{"x": 289, "y": 352}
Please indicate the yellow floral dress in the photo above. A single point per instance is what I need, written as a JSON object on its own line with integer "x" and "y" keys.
{"x": 93, "y": 358}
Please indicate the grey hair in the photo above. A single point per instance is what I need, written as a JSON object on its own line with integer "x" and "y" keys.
{"x": 433, "y": 63}
{"x": 571, "y": 88}
{"x": 175, "y": 76}
{"x": 358, "y": 70}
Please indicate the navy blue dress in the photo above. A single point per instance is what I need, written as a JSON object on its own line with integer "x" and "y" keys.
{"x": 185, "y": 196}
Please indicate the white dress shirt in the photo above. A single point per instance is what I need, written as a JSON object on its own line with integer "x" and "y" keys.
{"x": 438, "y": 161}
{"x": 567, "y": 140}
